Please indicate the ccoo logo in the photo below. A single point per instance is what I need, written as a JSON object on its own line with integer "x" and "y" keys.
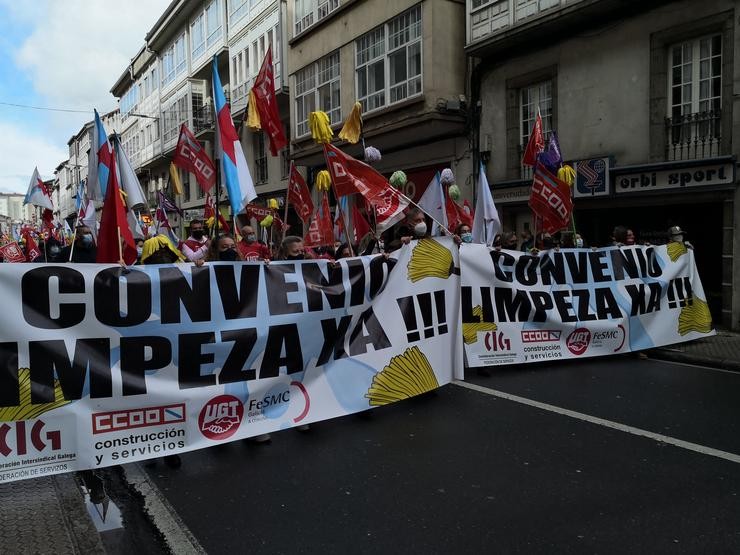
{"x": 220, "y": 417}
{"x": 578, "y": 341}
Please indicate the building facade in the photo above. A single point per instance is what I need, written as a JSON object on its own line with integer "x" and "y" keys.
{"x": 404, "y": 62}
{"x": 643, "y": 99}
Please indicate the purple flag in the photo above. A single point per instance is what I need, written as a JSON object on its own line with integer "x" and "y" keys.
{"x": 551, "y": 158}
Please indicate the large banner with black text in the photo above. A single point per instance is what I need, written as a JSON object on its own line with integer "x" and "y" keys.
{"x": 571, "y": 303}
{"x": 101, "y": 365}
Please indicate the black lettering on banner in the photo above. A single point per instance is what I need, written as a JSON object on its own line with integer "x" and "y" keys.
{"x": 654, "y": 269}
{"x": 282, "y": 339}
{"x": 408, "y": 313}
{"x": 278, "y": 289}
{"x": 466, "y": 305}
{"x": 511, "y": 305}
{"x": 375, "y": 335}
{"x": 356, "y": 270}
{"x": 233, "y": 369}
{"x": 583, "y": 297}
{"x": 9, "y": 393}
{"x": 334, "y": 336}
{"x": 501, "y": 260}
{"x": 108, "y": 297}
{"x": 655, "y": 293}
{"x": 598, "y": 265}
{"x": 190, "y": 358}
{"x": 487, "y": 305}
{"x": 564, "y": 306}
{"x": 36, "y": 301}
{"x": 542, "y": 302}
{"x": 526, "y": 269}
{"x": 175, "y": 289}
{"x": 624, "y": 260}
{"x": 606, "y": 305}
{"x": 552, "y": 268}
{"x": 241, "y": 303}
{"x": 47, "y": 356}
{"x": 380, "y": 269}
{"x": 319, "y": 288}
{"x": 577, "y": 265}
{"x": 637, "y": 296}
{"x": 134, "y": 362}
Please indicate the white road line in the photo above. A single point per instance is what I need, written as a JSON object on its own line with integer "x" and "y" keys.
{"x": 693, "y": 365}
{"x": 602, "y": 422}
{"x": 179, "y": 539}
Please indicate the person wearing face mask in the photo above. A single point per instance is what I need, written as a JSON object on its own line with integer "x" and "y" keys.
{"x": 50, "y": 251}
{"x": 414, "y": 226}
{"x": 224, "y": 250}
{"x": 465, "y": 233}
{"x": 139, "y": 249}
{"x": 249, "y": 248}
{"x": 677, "y": 235}
{"x": 579, "y": 241}
{"x": 84, "y": 250}
{"x": 292, "y": 248}
{"x": 196, "y": 246}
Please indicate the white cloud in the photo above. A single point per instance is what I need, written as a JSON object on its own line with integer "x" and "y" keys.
{"x": 79, "y": 48}
{"x": 21, "y": 152}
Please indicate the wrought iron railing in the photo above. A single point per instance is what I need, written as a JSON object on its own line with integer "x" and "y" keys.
{"x": 693, "y": 136}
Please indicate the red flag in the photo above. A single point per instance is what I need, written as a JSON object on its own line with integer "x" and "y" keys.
{"x": 12, "y": 252}
{"x": 550, "y": 200}
{"x": 32, "y": 249}
{"x": 298, "y": 194}
{"x": 360, "y": 224}
{"x": 456, "y": 215}
{"x": 114, "y": 225}
{"x": 320, "y": 232}
{"x": 257, "y": 212}
{"x": 190, "y": 156}
{"x": 209, "y": 211}
{"x": 264, "y": 95}
{"x": 536, "y": 143}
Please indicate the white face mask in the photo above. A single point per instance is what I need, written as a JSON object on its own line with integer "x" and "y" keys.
{"x": 420, "y": 229}
{"x": 677, "y": 238}
{"x": 579, "y": 243}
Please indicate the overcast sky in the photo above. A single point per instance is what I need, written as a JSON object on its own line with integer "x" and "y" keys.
{"x": 60, "y": 54}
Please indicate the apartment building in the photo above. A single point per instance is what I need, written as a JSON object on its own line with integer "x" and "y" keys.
{"x": 642, "y": 95}
{"x": 404, "y": 62}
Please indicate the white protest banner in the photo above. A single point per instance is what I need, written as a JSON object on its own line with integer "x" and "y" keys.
{"x": 572, "y": 303}
{"x": 102, "y": 366}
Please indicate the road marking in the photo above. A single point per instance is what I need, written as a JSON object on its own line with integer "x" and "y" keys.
{"x": 704, "y": 450}
{"x": 179, "y": 539}
{"x": 693, "y": 365}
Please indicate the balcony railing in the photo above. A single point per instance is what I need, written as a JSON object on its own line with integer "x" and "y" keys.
{"x": 203, "y": 118}
{"x": 693, "y": 136}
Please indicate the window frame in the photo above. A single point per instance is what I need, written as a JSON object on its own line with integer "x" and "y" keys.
{"x": 308, "y": 91}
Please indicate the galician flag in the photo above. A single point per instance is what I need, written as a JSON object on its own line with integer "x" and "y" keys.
{"x": 234, "y": 171}
{"x": 37, "y": 193}
{"x": 99, "y": 161}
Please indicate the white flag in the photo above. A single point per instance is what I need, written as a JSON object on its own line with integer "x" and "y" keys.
{"x": 129, "y": 182}
{"x": 37, "y": 193}
{"x": 433, "y": 203}
{"x": 486, "y": 223}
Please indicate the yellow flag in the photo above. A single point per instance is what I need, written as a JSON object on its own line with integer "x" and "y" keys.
{"x": 253, "y": 116}
{"x": 175, "y": 178}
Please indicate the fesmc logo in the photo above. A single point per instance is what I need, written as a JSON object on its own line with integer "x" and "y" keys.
{"x": 220, "y": 417}
{"x": 578, "y": 341}
{"x": 496, "y": 341}
{"x": 275, "y": 402}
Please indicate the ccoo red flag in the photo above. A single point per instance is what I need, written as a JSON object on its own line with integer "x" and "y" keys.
{"x": 32, "y": 249}
{"x": 321, "y": 231}
{"x": 550, "y": 200}
{"x": 115, "y": 240}
{"x": 299, "y": 195}
{"x": 264, "y": 95}
{"x": 190, "y": 156}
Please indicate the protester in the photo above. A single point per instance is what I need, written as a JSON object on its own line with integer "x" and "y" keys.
{"x": 344, "y": 251}
{"x": 160, "y": 250}
{"x": 623, "y": 236}
{"x": 292, "y": 248}
{"x": 508, "y": 240}
{"x": 677, "y": 235}
{"x": 196, "y": 246}
{"x": 527, "y": 241}
{"x": 463, "y": 231}
{"x": 51, "y": 251}
{"x": 579, "y": 241}
{"x": 139, "y": 249}
{"x": 83, "y": 250}
{"x": 250, "y": 248}
{"x": 223, "y": 249}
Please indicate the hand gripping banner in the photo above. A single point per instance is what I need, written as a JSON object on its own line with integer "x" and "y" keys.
{"x": 102, "y": 366}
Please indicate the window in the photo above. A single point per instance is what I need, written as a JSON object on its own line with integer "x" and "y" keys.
{"x": 198, "y": 36}
{"x": 129, "y": 100}
{"x": 307, "y": 12}
{"x": 237, "y": 9}
{"x": 388, "y": 62}
{"x": 173, "y": 115}
{"x": 214, "y": 28}
{"x": 285, "y": 163}
{"x": 174, "y": 61}
{"x": 694, "y": 98}
{"x": 317, "y": 88}
{"x": 532, "y": 98}
{"x": 260, "y": 158}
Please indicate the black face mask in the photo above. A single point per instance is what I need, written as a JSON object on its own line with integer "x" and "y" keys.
{"x": 294, "y": 257}
{"x": 198, "y": 234}
{"x": 229, "y": 255}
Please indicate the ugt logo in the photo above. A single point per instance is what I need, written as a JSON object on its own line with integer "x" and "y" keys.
{"x": 220, "y": 417}
{"x": 496, "y": 341}
{"x": 18, "y": 441}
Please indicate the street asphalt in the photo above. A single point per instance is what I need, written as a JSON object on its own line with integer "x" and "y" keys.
{"x": 468, "y": 471}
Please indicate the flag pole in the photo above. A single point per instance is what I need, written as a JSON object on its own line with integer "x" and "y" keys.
{"x": 287, "y": 193}
{"x": 440, "y": 224}
{"x": 77, "y": 223}
{"x": 120, "y": 248}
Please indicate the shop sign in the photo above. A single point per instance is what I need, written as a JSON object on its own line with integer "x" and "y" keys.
{"x": 510, "y": 195}
{"x": 592, "y": 178}
{"x": 676, "y": 178}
